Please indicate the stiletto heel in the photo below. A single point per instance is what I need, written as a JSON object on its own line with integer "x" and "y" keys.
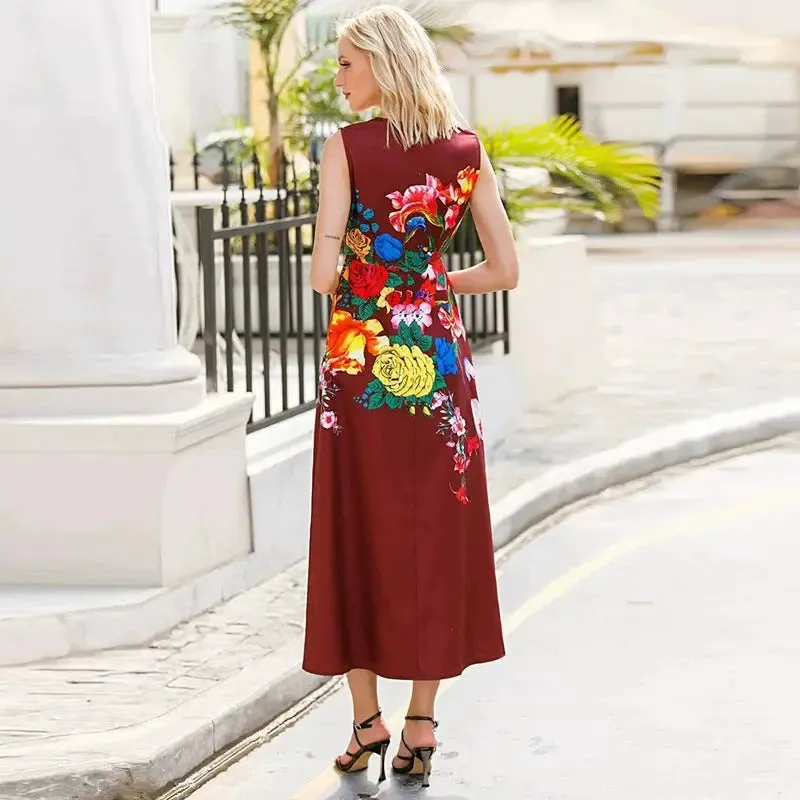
{"x": 419, "y": 762}
{"x": 384, "y": 750}
{"x": 425, "y": 754}
{"x": 359, "y": 760}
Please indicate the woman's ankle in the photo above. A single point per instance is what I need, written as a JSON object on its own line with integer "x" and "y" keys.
{"x": 420, "y": 733}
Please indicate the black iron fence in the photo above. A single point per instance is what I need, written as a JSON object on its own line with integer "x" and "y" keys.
{"x": 263, "y": 326}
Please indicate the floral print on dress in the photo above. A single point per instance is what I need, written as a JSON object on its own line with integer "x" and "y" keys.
{"x": 392, "y": 289}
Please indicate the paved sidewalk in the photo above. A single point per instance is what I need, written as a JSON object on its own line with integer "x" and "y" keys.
{"x": 687, "y": 335}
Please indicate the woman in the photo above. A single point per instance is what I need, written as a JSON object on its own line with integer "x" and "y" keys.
{"x": 401, "y": 567}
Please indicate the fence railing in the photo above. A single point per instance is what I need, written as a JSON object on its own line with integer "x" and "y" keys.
{"x": 264, "y": 327}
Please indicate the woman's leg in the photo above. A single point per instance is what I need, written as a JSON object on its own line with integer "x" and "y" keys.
{"x": 364, "y": 692}
{"x": 419, "y": 733}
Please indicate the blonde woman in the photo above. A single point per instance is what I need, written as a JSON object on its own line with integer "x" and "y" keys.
{"x": 401, "y": 569}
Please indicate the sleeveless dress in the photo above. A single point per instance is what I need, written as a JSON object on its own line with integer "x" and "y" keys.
{"x": 401, "y": 563}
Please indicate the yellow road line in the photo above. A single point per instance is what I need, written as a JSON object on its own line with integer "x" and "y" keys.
{"x": 693, "y": 523}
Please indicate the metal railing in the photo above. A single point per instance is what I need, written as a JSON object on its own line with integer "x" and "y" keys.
{"x": 264, "y": 327}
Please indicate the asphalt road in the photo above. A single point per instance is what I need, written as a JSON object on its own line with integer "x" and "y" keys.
{"x": 653, "y": 654}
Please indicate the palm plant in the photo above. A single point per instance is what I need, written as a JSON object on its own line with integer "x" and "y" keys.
{"x": 268, "y": 23}
{"x": 310, "y": 100}
{"x": 589, "y": 177}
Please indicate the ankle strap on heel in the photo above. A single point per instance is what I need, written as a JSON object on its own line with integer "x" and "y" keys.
{"x": 367, "y": 723}
{"x": 413, "y": 718}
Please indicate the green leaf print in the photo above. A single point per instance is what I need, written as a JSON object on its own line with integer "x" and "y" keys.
{"x": 394, "y": 402}
{"x": 394, "y": 280}
{"x": 439, "y": 383}
{"x": 367, "y": 310}
{"x": 376, "y": 401}
{"x": 406, "y": 334}
{"x": 425, "y": 342}
{"x": 376, "y": 395}
{"x": 416, "y": 261}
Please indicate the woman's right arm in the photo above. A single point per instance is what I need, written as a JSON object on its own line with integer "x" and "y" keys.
{"x": 500, "y": 270}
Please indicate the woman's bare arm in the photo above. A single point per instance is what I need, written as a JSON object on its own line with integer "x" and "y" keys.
{"x": 500, "y": 270}
{"x": 334, "y": 210}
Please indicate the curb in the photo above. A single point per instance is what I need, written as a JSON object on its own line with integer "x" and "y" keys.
{"x": 139, "y": 762}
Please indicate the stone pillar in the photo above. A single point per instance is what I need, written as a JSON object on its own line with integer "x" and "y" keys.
{"x": 87, "y": 294}
{"x": 110, "y": 451}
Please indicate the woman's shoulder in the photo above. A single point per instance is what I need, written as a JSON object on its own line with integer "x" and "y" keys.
{"x": 362, "y": 127}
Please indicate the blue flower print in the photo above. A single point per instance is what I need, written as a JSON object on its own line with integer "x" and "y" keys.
{"x": 388, "y": 248}
{"x": 416, "y": 224}
{"x": 364, "y": 228}
{"x": 446, "y": 359}
{"x": 369, "y": 214}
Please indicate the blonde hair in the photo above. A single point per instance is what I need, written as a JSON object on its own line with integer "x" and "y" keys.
{"x": 414, "y": 95}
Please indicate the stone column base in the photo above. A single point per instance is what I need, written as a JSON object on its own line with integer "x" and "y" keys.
{"x": 125, "y": 501}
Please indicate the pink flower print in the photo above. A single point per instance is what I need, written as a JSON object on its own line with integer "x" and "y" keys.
{"x": 451, "y": 217}
{"x": 457, "y": 423}
{"x": 434, "y": 183}
{"x": 461, "y": 462}
{"x": 439, "y": 399}
{"x": 452, "y": 322}
{"x": 328, "y": 420}
{"x": 469, "y": 370}
{"x": 412, "y": 312}
{"x": 476, "y": 416}
{"x": 415, "y": 201}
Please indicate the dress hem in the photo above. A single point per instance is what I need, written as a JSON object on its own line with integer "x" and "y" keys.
{"x": 396, "y": 676}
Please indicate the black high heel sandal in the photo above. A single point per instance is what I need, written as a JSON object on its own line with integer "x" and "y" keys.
{"x": 359, "y": 760}
{"x": 419, "y": 762}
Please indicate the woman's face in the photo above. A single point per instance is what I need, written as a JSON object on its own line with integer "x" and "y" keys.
{"x": 355, "y": 77}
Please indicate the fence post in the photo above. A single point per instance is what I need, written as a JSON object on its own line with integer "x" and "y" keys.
{"x": 205, "y": 242}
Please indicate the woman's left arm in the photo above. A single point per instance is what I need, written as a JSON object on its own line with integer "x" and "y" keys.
{"x": 334, "y": 211}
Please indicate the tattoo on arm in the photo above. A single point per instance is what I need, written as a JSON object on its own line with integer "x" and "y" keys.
{"x": 332, "y": 236}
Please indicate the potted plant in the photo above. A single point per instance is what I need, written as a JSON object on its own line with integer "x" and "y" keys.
{"x": 551, "y": 170}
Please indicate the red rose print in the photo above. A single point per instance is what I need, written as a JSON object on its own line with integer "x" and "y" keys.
{"x": 367, "y": 280}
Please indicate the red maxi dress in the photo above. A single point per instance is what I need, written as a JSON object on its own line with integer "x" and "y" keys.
{"x": 401, "y": 564}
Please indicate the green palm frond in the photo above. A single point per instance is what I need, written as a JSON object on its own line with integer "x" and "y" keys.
{"x": 608, "y": 175}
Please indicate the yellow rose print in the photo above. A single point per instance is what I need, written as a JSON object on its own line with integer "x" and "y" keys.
{"x": 405, "y": 371}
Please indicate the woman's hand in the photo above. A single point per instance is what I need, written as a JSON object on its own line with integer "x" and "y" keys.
{"x": 334, "y": 211}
